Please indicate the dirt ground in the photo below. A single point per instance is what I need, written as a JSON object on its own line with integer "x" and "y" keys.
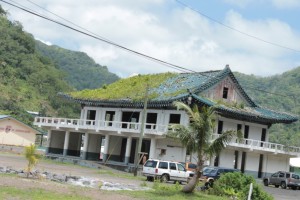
{"x": 19, "y": 162}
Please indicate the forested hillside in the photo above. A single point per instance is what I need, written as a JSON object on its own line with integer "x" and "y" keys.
{"x": 28, "y": 81}
{"x": 81, "y": 71}
{"x": 282, "y": 93}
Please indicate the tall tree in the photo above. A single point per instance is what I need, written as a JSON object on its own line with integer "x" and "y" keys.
{"x": 197, "y": 137}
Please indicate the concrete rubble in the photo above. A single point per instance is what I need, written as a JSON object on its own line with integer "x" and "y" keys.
{"x": 68, "y": 179}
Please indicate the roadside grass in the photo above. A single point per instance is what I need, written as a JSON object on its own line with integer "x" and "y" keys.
{"x": 120, "y": 174}
{"x": 36, "y": 194}
{"x": 162, "y": 191}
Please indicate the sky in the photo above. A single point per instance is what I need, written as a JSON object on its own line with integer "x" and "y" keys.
{"x": 259, "y": 37}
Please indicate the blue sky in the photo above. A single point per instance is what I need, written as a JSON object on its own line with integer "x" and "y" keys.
{"x": 171, "y": 32}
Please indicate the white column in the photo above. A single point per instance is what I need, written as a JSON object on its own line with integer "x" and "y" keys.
{"x": 48, "y": 141}
{"x": 152, "y": 148}
{"x": 128, "y": 150}
{"x": 106, "y": 146}
{"x": 85, "y": 145}
{"x": 66, "y": 144}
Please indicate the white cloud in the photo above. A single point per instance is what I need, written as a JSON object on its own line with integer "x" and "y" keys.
{"x": 160, "y": 29}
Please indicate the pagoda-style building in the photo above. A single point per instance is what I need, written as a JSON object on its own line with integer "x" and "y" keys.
{"x": 111, "y": 118}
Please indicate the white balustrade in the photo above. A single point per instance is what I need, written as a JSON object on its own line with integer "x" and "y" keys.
{"x": 100, "y": 125}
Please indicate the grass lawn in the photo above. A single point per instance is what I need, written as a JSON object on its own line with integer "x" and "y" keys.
{"x": 8, "y": 192}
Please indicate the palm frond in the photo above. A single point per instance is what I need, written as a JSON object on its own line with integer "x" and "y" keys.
{"x": 220, "y": 143}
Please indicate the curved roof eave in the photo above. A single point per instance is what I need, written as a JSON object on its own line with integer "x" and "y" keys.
{"x": 261, "y": 115}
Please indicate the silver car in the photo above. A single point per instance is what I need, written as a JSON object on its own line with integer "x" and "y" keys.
{"x": 283, "y": 179}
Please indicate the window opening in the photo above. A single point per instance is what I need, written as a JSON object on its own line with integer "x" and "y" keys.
{"x": 109, "y": 117}
{"x": 225, "y": 92}
{"x": 151, "y": 120}
{"x": 220, "y": 127}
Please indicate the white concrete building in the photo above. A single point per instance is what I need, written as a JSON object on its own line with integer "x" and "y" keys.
{"x": 113, "y": 124}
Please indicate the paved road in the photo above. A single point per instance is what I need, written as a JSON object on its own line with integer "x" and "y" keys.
{"x": 282, "y": 194}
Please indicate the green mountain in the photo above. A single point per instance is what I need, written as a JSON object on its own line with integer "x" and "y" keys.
{"x": 81, "y": 71}
{"x": 28, "y": 81}
{"x": 281, "y": 93}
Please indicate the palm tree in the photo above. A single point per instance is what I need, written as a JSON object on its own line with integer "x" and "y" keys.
{"x": 196, "y": 137}
{"x": 32, "y": 157}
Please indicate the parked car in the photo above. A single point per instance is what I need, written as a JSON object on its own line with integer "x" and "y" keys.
{"x": 210, "y": 174}
{"x": 283, "y": 179}
{"x": 165, "y": 171}
{"x": 189, "y": 166}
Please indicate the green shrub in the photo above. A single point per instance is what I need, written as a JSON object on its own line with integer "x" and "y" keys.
{"x": 236, "y": 185}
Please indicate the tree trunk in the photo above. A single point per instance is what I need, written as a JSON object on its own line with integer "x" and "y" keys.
{"x": 189, "y": 188}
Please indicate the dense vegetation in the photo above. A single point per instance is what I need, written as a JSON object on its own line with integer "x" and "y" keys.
{"x": 236, "y": 186}
{"x": 81, "y": 71}
{"x": 282, "y": 94}
{"x": 131, "y": 88}
{"x": 28, "y": 81}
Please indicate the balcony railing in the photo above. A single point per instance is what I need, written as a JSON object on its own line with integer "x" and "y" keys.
{"x": 157, "y": 129}
{"x": 100, "y": 125}
{"x": 261, "y": 145}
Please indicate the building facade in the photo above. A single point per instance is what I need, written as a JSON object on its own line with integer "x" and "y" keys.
{"x": 15, "y": 133}
{"x": 109, "y": 128}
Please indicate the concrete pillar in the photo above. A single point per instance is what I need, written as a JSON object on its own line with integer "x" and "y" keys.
{"x": 128, "y": 149}
{"x": 85, "y": 146}
{"x": 48, "y": 145}
{"x": 106, "y": 146}
{"x": 152, "y": 148}
{"x": 66, "y": 144}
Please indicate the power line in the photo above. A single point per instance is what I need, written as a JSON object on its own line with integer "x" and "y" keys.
{"x": 234, "y": 29}
{"x": 95, "y": 36}
{"x": 179, "y": 68}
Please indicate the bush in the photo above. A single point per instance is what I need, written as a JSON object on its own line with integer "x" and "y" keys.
{"x": 236, "y": 185}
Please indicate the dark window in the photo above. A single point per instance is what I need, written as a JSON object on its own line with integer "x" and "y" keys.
{"x": 239, "y": 127}
{"x": 131, "y": 119}
{"x": 216, "y": 161}
{"x": 281, "y": 175}
{"x": 236, "y": 159}
{"x": 225, "y": 92}
{"x": 174, "y": 119}
{"x": 220, "y": 127}
{"x": 260, "y": 166}
{"x": 172, "y": 166}
{"x": 151, "y": 120}
{"x": 263, "y": 136}
{"x": 275, "y": 175}
{"x": 110, "y": 117}
{"x": 192, "y": 166}
{"x": 163, "y": 165}
{"x": 91, "y": 115}
{"x": 246, "y": 133}
{"x": 288, "y": 175}
{"x": 243, "y": 162}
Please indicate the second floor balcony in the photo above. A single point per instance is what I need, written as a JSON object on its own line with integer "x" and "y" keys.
{"x": 158, "y": 130}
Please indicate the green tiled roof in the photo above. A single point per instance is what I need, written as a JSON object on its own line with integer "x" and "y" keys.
{"x": 169, "y": 87}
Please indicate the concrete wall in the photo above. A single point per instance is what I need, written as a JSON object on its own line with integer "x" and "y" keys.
{"x": 173, "y": 150}
{"x": 226, "y": 158}
{"x": 15, "y": 133}
{"x": 275, "y": 163}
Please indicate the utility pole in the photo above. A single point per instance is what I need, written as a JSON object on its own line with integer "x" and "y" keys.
{"x": 137, "y": 159}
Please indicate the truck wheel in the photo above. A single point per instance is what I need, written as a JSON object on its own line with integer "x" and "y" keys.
{"x": 164, "y": 178}
{"x": 266, "y": 182}
{"x": 149, "y": 178}
{"x": 283, "y": 185}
